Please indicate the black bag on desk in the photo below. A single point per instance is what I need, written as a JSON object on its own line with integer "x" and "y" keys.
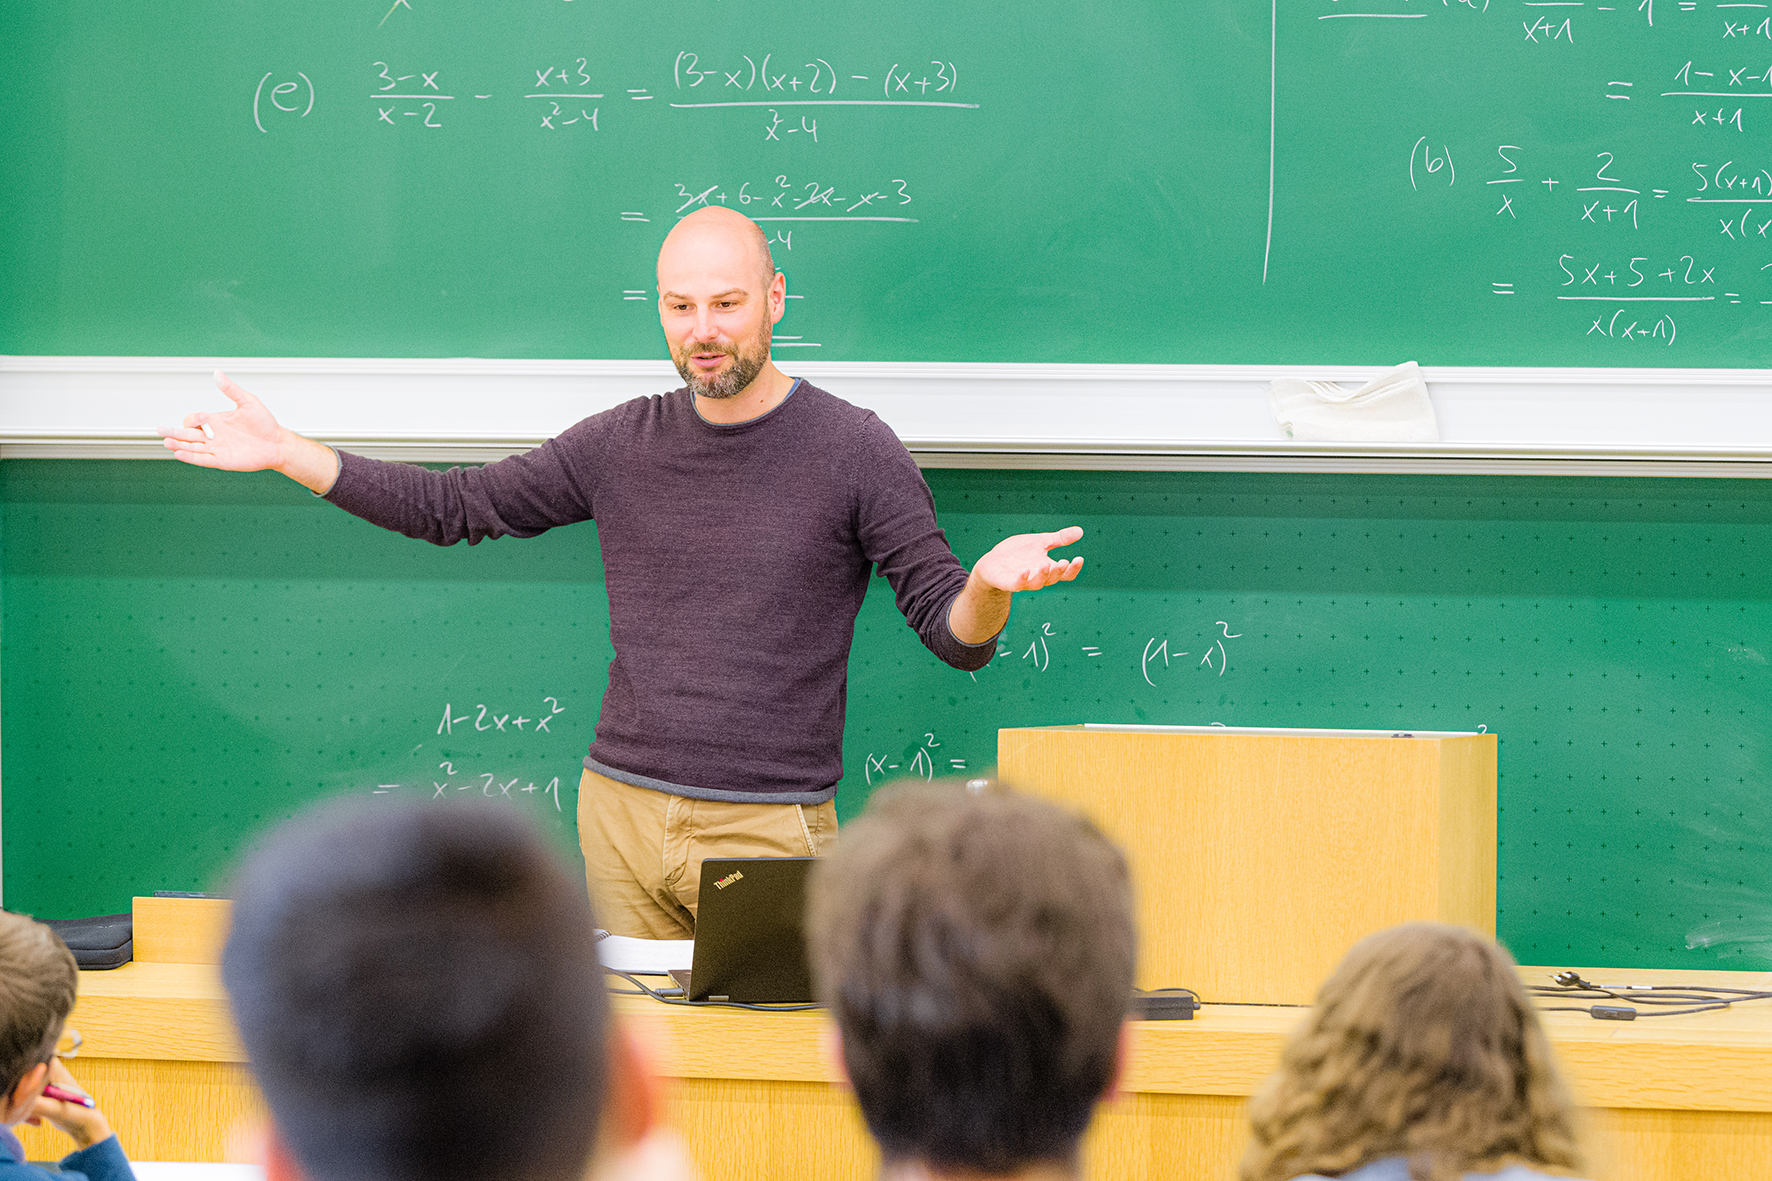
{"x": 103, "y": 941}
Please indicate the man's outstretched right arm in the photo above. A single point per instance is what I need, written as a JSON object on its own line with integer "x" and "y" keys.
{"x": 248, "y": 439}
{"x": 521, "y": 496}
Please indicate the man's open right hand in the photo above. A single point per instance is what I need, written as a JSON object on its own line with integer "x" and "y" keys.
{"x": 249, "y": 439}
{"x": 245, "y": 439}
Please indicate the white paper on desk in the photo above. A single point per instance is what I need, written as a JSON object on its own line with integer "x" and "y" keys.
{"x": 157, "y": 1170}
{"x": 651, "y": 957}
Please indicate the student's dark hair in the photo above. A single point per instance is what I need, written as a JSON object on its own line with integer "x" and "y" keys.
{"x": 418, "y": 990}
{"x": 976, "y": 950}
{"x": 38, "y": 980}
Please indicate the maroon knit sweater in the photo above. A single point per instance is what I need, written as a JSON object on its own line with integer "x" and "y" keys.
{"x": 736, "y": 559}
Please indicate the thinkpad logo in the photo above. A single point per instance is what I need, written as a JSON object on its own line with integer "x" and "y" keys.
{"x": 728, "y": 879}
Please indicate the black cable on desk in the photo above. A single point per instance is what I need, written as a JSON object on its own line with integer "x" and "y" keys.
{"x": 1647, "y": 1000}
{"x": 665, "y": 999}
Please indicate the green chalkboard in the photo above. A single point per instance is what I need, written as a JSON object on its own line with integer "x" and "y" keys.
{"x": 186, "y": 657}
{"x": 1321, "y": 181}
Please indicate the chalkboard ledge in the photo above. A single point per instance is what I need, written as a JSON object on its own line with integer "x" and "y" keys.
{"x": 1692, "y": 422}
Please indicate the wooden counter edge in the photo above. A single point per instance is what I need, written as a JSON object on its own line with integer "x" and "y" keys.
{"x": 178, "y": 1012}
{"x": 168, "y": 1012}
{"x": 155, "y": 1027}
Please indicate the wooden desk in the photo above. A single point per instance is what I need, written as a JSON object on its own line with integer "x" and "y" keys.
{"x": 1669, "y": 1099}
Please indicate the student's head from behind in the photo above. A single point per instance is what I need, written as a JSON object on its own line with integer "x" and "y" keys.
{"x": 1424, "y": 1045}
{"x": 419, "y": 992}
{"x": 38, "y": 980}
{"x": 976, "y": 951}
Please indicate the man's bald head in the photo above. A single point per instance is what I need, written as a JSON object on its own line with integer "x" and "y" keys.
{"x": 713, "y": 234}
{"x": 719, "y": 299}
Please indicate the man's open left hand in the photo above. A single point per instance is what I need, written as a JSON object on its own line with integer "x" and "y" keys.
{"x": 1024, "y": 562}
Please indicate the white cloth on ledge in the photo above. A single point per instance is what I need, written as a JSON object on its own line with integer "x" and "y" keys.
{"x": 1391, "y": 408}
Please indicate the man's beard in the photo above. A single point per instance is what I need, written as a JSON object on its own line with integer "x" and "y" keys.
{"x": 746, "y": 364}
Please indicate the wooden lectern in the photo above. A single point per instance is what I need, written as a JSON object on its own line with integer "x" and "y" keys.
{"x": 1259, "y": 856}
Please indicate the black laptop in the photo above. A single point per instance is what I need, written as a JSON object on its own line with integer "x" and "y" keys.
{"x": 750, "y": 947}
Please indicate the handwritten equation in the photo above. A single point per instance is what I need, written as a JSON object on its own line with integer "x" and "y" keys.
{"x": 1676, "y": 92}
{"x": 565, "y": 92}
{"x": 1050, "y": 650}
{"x": 1048, "y": 644}
{"x": 923, "y": 759}
{"x": 784, "y": 204}
{"x": 491, "y": 785}
{"x": 486, "y": 722}
{"x": 813, "y": 83}
{"x": 782, "y": 199}
{"x": 410, "y": 94}
{"x": 482, "y": 719}
{"x": 1605, "y": 194}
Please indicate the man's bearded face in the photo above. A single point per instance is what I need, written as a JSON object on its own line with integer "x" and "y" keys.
{"x": 748, "y": 359}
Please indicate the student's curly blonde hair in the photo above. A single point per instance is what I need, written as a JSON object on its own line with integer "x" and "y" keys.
{"x": 1421, "y": 1045}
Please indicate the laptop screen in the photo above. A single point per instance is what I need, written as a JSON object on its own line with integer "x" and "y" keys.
{"x": 750, "y": 943}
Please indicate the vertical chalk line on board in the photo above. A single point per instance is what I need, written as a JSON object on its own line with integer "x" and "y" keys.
{"x": 1273, "y": 66}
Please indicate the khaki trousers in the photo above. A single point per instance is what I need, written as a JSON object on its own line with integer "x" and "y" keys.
{"x": 643, "y": 849}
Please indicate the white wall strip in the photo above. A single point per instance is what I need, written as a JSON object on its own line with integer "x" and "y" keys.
{"x": 1695, "y": 422}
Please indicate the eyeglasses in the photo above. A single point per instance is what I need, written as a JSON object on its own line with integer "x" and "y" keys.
{"x": 68, "y": 1045}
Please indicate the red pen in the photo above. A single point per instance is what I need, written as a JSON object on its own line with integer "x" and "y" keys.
{"x": 51, "y": 1091}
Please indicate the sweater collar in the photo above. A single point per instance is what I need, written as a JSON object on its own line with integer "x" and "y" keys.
{"x": 749, "y": 422}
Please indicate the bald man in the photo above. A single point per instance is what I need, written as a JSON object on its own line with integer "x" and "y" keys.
{"x": 740, "y": 518}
